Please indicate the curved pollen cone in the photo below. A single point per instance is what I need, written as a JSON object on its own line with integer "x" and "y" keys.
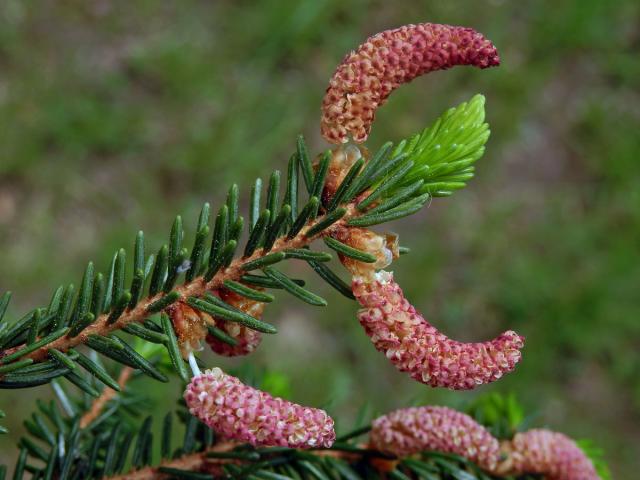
{"x": 239, "y": 412}
{"x": 189, "y": 325}
{"x": 247, "y": 339}
{"x": 551, "y": 454}
{"x": 408, "y": 431}
{"x": 413, "y": 345}
{"x": 367, "y": 76}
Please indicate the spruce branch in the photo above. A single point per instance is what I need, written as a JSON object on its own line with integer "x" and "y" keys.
{"x": 186, "y": 466}
{"x": 395, "y": 182}
{"x": 171, "y": 300}
{"x": 58, "y": 445}
{"x": 197, "y": 288}
{"x": 215, "y": 458}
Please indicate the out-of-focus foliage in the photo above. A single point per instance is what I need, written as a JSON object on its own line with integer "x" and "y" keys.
{"x": 116, "y": 116}
{"x": 501, "y": 414}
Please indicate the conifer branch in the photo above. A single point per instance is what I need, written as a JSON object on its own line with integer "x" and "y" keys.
{"x": 233, "y": 430}
{"x": 192, "y": 463}
{"x": 425, "y": 442}
{"x": 213, "y": 459}
{"x": 342, "y": 193}
{"x": 196, "y": 288}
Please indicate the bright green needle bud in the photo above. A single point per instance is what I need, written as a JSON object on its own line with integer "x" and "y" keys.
{"x": 444, "y": 153}
{"x": 433, "y": 163}
{"x": 441, "y": 156}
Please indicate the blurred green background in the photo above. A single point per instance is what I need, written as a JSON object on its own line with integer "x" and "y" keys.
{"x": 116, "y": 116}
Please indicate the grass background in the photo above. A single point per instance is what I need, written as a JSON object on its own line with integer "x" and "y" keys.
{"x": 115, "y": 116}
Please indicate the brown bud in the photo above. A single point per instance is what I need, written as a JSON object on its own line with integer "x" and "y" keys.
{"x": 383, "y": 247}
{"x": 247, "y": 339}
{"x": 190, "y": 326}
{"x": 342, "y": 160}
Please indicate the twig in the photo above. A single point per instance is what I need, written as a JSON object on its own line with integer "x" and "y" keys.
{"x": 196, "y": 288}
{"x": 192, "y": 462}
{"x": 107, "y": 394}
{"x": 196, "y": 462}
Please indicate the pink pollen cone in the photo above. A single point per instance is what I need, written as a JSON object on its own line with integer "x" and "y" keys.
{"x": 551, "y": 454}
{"x": 242, "y": 413}
{"x": 367, "y": 76}
{"x": 408, "y": 431}
{"x": 413, "y": 345}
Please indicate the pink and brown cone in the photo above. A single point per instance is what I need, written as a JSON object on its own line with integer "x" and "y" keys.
{"x": 368, "y": 75}
{"x": 414, "y": 346}
{"x": 551, "y": 454}
{"x": 191, "y": 326}
{"x": 408, "y": 431}
{"x": 247, "y": 340}
{"x": 244, "y": 414}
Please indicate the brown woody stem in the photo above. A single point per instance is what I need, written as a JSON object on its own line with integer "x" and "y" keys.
{"x": 200, "y": 462}
{"x": 193, "y": 462}
{"x": 107, "y": 394}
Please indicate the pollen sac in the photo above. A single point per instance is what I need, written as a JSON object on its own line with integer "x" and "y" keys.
{"x": 244, "y": 414}
{"x": 551, "y": 454}
{"x": 414, "y": 346}
{"x": 190, "y": 326}
{"x": 368, "y": 75}
{"x": 247, "y": 339}
{"x": 409, "y": 431}
{"x": 384, "y": 247}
